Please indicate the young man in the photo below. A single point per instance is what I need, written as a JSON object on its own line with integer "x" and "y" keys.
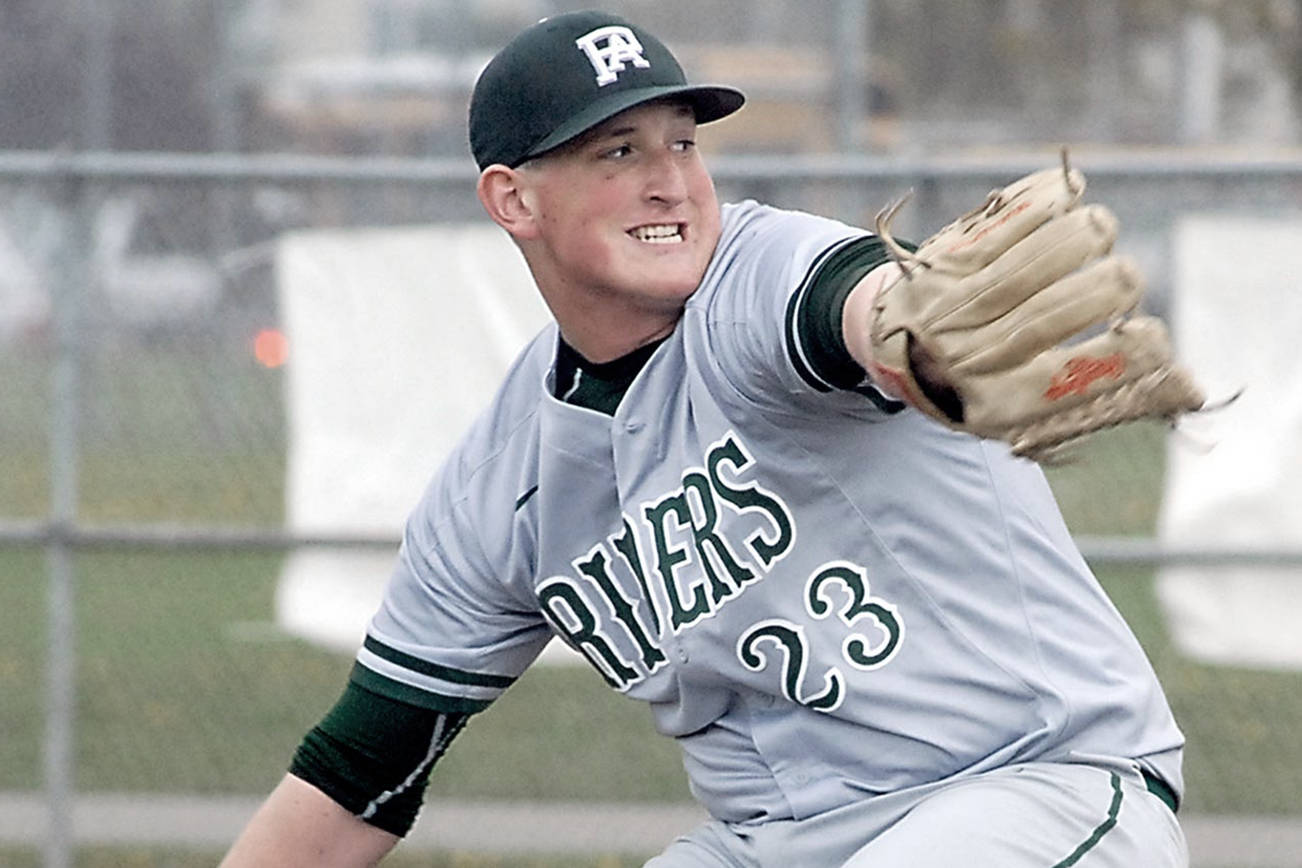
{"x": 871, "y": 634}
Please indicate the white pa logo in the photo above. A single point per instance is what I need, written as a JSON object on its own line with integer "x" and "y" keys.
{"x": 621, "y": 46}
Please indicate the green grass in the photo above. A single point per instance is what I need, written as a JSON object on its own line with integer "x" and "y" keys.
{"x": 176, "y": 431}
{"x": 172, "y": 696}
{"x": 158, "y": 652}
{"x": 1111, "y": 484}
{"x": 22, "y": 661}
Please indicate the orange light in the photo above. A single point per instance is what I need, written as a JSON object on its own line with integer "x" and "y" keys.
{"x": 271, "y": 348}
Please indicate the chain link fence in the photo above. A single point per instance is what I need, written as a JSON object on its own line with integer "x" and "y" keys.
{"x": 144, "y": 422}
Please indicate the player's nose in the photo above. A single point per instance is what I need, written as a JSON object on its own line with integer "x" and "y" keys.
{"x": 666, "y": 179}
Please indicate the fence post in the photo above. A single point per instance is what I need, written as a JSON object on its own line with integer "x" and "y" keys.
{"x": 853, "y": 49}
{"x": 71, "y": 280}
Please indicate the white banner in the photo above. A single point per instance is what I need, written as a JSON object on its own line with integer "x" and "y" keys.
{"x": 1238, "y": 323}
{"x": 397, "y": 337}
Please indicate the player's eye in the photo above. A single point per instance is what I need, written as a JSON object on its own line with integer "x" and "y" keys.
{"x": 684, "y": 145}
{"x": 616, "y": 153}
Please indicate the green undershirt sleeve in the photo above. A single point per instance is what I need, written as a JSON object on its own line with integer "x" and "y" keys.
{"x": 815, "y": 343}
{"x": 373, "y": 755}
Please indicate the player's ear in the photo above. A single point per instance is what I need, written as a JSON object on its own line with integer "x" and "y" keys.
{"x": 504, "y": 193}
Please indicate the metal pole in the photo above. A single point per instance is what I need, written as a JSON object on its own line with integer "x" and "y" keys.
{"x": 225, "y": 129}
{"x": 1203, "y": 56}
{"x": 851, "y": 73}
{"x": 1103, "y": 21}
{"x": 60, "y": 705}
{"x": 96, "y": 75}
{"x": 849, "y": 96}
{"x": 65, "y": 425}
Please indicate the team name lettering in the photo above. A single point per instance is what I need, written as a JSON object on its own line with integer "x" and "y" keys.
{"x": 688, "y": 570}
{"x": 685, "y": 567}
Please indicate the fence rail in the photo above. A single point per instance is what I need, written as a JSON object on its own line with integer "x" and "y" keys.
{"x": 1097, "y": 549}
{"x": 1165, "y": 163}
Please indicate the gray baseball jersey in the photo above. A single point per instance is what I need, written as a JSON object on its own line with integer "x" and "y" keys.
{"x": 821, "y": 595}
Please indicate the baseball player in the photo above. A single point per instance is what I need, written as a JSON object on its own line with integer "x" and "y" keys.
{"x": 764, "y": 471}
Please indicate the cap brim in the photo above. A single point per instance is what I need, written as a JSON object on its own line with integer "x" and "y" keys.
{"x": 710, "y": 102}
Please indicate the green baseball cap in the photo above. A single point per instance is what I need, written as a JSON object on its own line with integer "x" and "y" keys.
{"x": 568, "y": 73}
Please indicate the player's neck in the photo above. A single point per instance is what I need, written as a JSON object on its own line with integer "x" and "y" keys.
{"x": 606, "y": 348}
{"x": 603, "y": 322}
{"x": 602, "y": 335}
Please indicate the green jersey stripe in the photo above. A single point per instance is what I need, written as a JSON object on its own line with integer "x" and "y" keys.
{"x": 796, "y": 345}
{"x": 814, "y": 342}
{"x": 434, "y": 670}
{"x": 396, "y": 690}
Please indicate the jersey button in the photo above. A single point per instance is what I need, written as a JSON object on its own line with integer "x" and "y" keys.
{"x": 633, "y": 427}
{"x": 681, "y": 653}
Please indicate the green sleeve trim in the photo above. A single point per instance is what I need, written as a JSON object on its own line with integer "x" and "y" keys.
{"x": 382, "y": 685}
{"x": 815, "y": 343}
{"x": 434, "y": 670}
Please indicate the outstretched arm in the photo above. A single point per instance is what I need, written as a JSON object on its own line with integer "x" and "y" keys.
{"x": 858, "y": 311}
{"x": 299, "y": 825}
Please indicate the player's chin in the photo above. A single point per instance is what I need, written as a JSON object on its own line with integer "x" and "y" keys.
{"x": 674, "y": 283}
{"x": 664, "y": 289}
{"x": 681, "y": 261}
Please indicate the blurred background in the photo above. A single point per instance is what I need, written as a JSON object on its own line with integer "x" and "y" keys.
{"x": 240, "y": 254}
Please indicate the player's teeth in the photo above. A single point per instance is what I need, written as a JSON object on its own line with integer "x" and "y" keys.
{"x": 667, "y": 234}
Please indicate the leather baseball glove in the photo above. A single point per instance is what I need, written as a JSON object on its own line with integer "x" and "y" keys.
{"x": 1016, "y": 323}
